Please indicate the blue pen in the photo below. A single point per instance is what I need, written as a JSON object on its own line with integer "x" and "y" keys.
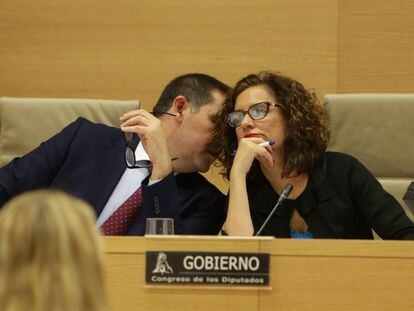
{"x": 265, "y": 144}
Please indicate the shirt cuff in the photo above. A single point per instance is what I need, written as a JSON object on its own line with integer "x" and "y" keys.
{"x": 153, "y": 182}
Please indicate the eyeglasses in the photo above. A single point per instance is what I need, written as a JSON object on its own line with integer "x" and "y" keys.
{"x": 170, "y": 114}
{"x": 130, "y": 154}
{"x": 257, "y": 112}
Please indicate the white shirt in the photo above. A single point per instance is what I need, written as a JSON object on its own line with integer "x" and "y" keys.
{"x": 130, "y": 181}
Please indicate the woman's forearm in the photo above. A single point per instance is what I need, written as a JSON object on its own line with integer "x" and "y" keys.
{"x": 238, "y": 221}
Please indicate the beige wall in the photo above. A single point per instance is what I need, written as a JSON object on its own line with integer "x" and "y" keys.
{"x": 376, "y": 46}
{"x": 129, "y": 49}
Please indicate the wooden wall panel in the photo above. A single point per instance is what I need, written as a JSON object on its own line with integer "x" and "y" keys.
{"x": 131, "y": 49}
{"x": 376, "y": 46}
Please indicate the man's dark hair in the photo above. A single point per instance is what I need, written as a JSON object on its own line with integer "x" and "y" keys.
{"x": 195, "y": 87}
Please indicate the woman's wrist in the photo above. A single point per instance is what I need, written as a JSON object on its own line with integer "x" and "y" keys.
{"x": 237, "y": 174}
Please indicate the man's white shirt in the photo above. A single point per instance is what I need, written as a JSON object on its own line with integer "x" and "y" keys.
{"x": 130, "y": 181}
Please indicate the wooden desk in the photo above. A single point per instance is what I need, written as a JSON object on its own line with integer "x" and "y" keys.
{"x": 305, "y": 275}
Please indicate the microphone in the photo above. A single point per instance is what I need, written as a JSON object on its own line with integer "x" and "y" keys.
{"x": 285, "y": 193}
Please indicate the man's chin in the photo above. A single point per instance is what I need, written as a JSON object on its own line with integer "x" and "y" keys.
{"x": 205, "y": 167}
{"x": 193, "y": 166}
{"x": 204, "y": 170}
{"x": 193, "y": 169}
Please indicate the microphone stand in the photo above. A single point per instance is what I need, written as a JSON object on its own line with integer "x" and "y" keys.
{"x": 285, "y": 193}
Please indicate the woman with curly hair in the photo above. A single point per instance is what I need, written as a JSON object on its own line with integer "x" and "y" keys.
{"x": 273, "y": 132}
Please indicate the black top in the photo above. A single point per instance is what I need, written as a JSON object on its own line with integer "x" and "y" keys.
{"x": 342, "y": 199}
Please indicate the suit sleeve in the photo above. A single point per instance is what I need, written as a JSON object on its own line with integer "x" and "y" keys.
{"x": 379, "y": 208}
{"x": 38, "y": 168}
{"x": 197, "y": 209}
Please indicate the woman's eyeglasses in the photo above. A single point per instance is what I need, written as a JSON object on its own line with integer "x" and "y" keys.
{"x": 257, "y": 112}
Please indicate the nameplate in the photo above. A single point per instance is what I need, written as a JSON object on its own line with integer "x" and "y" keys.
{"x": 207, "y": 268}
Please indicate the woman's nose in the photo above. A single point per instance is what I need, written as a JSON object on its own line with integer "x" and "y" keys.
{"x": 247, "y": 121}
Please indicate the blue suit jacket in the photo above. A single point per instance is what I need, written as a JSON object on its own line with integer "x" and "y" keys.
{"x": 87, "y": 160}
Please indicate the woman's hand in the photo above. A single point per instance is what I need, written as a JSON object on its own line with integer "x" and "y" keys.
{"x": 248, "y": 150}
{"x": 152, "y": 137}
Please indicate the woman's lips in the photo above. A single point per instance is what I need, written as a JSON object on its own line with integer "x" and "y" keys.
{"x": 252, "y": 135}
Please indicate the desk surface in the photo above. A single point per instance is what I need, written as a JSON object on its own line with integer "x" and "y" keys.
{"x": 305, "y": 275}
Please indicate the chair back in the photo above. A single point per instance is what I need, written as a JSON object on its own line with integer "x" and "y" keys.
{"x": 26, "y": 122}
{"x": 378, "y": 129}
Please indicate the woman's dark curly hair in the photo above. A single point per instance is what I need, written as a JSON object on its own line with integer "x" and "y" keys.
{"x": 307, "y": 134}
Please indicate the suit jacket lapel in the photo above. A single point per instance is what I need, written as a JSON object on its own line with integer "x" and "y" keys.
{"x": 109, "y": 168}
{"x": 318, "y": 199}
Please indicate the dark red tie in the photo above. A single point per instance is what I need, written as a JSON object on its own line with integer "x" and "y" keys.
{"x": 120, "y": 221}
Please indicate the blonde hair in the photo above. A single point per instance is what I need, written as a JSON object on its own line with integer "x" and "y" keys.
{"x": 51, "y": 257}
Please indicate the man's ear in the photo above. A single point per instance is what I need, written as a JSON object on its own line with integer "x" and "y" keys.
{"x": 179, "y": 105}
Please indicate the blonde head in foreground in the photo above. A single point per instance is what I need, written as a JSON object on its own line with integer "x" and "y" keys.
{"x": 50, "y": 254}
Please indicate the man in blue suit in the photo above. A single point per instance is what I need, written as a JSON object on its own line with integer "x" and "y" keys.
{"x": 149, "y": 168}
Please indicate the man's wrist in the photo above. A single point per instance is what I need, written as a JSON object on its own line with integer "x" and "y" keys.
{"x": 153, "y": 182}
{"x": 160, "y": 173}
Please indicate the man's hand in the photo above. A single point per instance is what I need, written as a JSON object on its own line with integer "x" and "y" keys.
{"x": 153, "y": 139}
